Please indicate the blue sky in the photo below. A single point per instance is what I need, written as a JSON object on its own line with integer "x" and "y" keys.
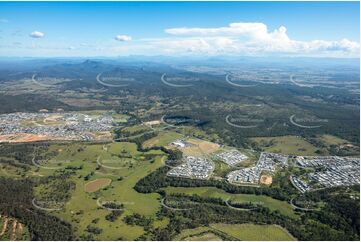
{"x": 179, "y": 28}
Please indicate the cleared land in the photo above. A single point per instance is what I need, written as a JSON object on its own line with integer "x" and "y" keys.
{"x": 162, "y": 139}
{"x": 97, "y": 184}
{"x": 266, "y": 179}
{"x": 250, "y": 232}
{"x": 11, "y": 229}
{"x": 208, "y": 236}
{"x": 333, "y": 140}
{"x": 136, "y": 129}
{"x": 254, "y": 232}
{"x": 273, "y": 204}
{"x": 198, "y": 234}
{"x": 22, "y": 137}
{"x": 289, "y": 145}
{"x": 200, "y": 147}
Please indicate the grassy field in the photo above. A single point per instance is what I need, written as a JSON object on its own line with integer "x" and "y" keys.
{"x": 197, "y": 234}
{"x": 289, "y": 145}
{"x": 221, "y": 169}
{"x": 253, "y": 232}
{"x": 136, "y": 129}
{"x": 248, "y": 232}
{"x": 82, "y": 208}
{"x": 273, "y": 204}
{"x": 332, "y": 140}
{"x": 162, "y": 139}
{"x": 9, "y": 170}
{"x": 208, "y": 236}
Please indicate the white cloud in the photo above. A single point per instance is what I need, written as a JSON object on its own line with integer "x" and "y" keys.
{"x": 232, "y": 29}
{"x": 253, "y": 38}
{"x": 123, "y": 38}
{"x": 36, "y": 34}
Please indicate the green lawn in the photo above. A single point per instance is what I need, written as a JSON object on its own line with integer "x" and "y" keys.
{"x": 284, "y": 207}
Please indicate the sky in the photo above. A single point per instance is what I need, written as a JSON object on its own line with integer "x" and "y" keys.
{"x": 85, "y": 29}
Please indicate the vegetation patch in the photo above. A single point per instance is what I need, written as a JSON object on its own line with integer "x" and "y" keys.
{"x": 211, "y": 192}
{"x": 254, "y": 232}
{"x": 162, "y": 139}
{"x": 198, "y": 234}
{"x": 288, "y": 145}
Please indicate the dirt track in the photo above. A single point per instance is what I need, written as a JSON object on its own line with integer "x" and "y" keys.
{"x": 6, "y": 220}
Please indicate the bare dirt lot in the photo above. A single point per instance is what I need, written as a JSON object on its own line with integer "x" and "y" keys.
{"x": 22, "y": 137}
{"x": 97, "y": 184}
{"x": 266, "y": 179}
{"x": 200, "y": 147}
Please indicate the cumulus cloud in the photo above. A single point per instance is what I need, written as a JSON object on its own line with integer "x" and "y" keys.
{"x": 36, "y": 34}
{"x": 123, "y": 38}
{"x": 246, "y": 38}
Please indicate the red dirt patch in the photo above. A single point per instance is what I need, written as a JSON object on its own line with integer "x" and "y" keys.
{"x": 265, "y": 179}
{"x": 97, "y": 184}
